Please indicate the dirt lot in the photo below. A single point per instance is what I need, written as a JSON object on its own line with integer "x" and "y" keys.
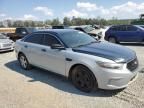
{"x": 40, "y": 89}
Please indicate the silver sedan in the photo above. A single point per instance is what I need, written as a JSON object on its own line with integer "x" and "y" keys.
{"x": 6, "y": 44}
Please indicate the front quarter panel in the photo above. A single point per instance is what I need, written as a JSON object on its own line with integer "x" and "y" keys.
{"x": 83, "y": 59}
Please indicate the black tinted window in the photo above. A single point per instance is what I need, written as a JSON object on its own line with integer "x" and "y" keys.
{"x": 49, "y": 40}
{"x": 131, "y": 28}
{"x": 35, "y": 38}
{"x": 58, "y": 27}
{"x": 122, "y": 28}
{"x": 114, "y": 28}
{"x": 79, "y": 29}
{"x": 20, "y": 30}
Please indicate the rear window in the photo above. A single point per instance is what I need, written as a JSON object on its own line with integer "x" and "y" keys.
{"x": 113, "y": 28}
{"x": 58, "y": 27}
{"x": 49, "y": 40}
{"x": 131, "y": 28}
{"x": 35, "y": 38}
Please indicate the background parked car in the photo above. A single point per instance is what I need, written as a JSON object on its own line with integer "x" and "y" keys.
{"x": 5, "y": 43}
{"x": 89, "y": 30}
{"x": 125, "y": 33}
{"x": 20, "y": 32}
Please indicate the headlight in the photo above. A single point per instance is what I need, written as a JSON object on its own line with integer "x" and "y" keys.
{"x": 110, "y": 65}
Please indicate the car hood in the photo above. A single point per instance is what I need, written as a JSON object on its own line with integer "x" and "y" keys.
{"x": 5, "y": 41}
{"x": 108, "y": 50}
{"x": 95, "y": 31}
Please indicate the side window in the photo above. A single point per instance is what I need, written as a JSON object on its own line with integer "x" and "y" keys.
{"x": 131, "y": 28}
{"x": 49, "y": 40}
{"x": 23, "y": 31}
{"x": 18, "y": 30}
{"x": 114, "y": 29}
{"x": 35, "y": 38}
{"x": 122, "y": 28}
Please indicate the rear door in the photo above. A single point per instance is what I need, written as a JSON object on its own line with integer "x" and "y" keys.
{"x": 33, "y": 46}
{"x": 133, "y": 34}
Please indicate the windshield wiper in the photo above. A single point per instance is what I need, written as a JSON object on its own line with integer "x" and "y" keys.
{"x": 79, "y": 45}
{"x": 92, "y": 42}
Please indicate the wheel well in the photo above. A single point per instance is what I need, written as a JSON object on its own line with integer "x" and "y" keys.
{"x": 113, "y": 37}
{"x": 70, "y": 72}
{"x": 71, "y": 69}
{"x": 20, "y": 54}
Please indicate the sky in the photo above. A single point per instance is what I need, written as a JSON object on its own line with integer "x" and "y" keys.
{"x": 49, "y": 9}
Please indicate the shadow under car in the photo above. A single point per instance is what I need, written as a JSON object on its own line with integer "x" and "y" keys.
{"x": 57, "y": 81}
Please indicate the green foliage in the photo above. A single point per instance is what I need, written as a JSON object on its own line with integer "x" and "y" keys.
{"x": 55, "y": 22}
{"x": 69, "y": 22}
{"x": 138, "y": 22}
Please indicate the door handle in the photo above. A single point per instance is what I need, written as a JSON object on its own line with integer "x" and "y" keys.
{"x": 68, "y": 59}
{"x": 26, "y": 46}
{"x": 43, "y": 50}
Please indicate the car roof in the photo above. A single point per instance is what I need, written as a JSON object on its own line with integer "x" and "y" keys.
{"x": 122, "y": 25}
{"x": 81, "y": 26}
{"x": 56, "y": 31}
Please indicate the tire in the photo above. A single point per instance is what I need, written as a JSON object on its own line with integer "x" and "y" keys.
{"x": 24, "y": 62}
{"x": 83, "y": 79}
{"x": 112, "y": 40}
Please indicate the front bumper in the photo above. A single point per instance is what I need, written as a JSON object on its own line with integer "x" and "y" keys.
{"x": 115, "y": 79}
{"x": 6, "y": 49}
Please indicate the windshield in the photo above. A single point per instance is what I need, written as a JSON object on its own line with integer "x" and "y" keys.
{"x": 76, "y": 39}
{"x": 88, "y": 29}
{"x": 2, "y": 36}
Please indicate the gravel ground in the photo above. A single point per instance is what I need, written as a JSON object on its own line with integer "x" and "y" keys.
{"x": 41, "y": 89}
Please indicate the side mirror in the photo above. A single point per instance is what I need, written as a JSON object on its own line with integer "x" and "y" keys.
{"x": 57, "y": 46}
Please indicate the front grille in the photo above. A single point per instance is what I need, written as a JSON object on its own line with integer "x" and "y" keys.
{"x": 132, "y": 65}
{"x": 7, "y": 45}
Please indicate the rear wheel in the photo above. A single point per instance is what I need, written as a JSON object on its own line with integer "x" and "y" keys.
{"x": 24, "y": 62}
{"x": 112, "y": 40}
{"x": 83, "y": 79}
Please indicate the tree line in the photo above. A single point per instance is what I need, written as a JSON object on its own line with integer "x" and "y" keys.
{"x": 66, "y": 21}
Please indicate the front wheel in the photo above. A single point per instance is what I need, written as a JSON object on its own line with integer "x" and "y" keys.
{"x": 83, "y": 79}
{"x": 23, "y": 62}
